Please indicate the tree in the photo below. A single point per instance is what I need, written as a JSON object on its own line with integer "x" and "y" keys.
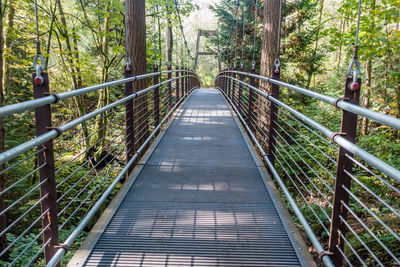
{"x": 137, "y": 52}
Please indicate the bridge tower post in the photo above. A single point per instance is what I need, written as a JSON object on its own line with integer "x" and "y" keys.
{"x": 156, "y": 98}
{"x": 273, "y": 123}
{"x": 348, "y": 130}
{"x": 177, "y": 84}
{"x": 47, "y": 172}
{"x": 130, "y": 119}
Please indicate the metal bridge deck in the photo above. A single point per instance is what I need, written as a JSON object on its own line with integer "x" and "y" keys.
{"x": 198, "y": 201}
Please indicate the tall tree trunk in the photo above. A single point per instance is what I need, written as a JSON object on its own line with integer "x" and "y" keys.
{"x": 137, "y": 52}
{"x": 268, "y": 54}
{"x": 169, "y": 37}
{"x": 7, "y": 81}
{"x": 270, "y": 39}
{"x": 3, "y": 219}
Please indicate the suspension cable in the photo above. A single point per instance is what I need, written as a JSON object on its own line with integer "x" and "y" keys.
{"x": 228, "y": 42}
{"x": 243, "y": 39}
{"x": 236, "y": 36}
{"x": 127, "y": 58}
{"x": 253, "y": 62}
{"x": 354, "y": 61}
{"x": 38, "y": 68}
{"x": 277, "y": 61}
{"x": 181, "y": 27}
{"x": 154, "y": 34}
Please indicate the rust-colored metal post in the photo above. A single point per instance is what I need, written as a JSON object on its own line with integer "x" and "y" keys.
{"x": 186, "y": 81}
{"x": 169, "y": 76}
{"x": 273, "y": 117}
{"x": 348, "y": 130}
{"x": 233, "y": 85}
{"x": 250, "y": 114}
{"x": 241, "y": 77}
{"x": 183, "y": 81}
{"x": 229, "y": 82}
{"x": 177, "y": 84}
{"x": 46, "y": 173}
{"x": 130, "y": 119}
{"x": 156, "y": 98}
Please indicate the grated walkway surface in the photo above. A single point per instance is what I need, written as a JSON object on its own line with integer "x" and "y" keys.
{"x": 199, "y": 200}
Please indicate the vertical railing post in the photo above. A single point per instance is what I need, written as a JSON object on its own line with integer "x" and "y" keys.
{"x": 251, "y": 98}
{"x": 240, "y": 89}
{"x": 182, "y": 81}
{"x": 186, "y": 81}
{"x": 229, "y": 82}
{"x": 177, "y": 84}
{"x": 233, "y": 85}
{"x": 156, "y": 98}
{"x": 47, "y": 172}
{"x": 169, "y": 76}
{"x": 130, "y": 119}
{"x": 273, "y": 117}
{"x": 348, "y": 130}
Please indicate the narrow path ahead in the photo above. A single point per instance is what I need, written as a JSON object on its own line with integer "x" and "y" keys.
{"x": 199, "y": 200}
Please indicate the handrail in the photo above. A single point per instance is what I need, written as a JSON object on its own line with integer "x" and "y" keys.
{"x": 356, "y": 150}
{"x": 339, "y": 102}
{"x": 80, "y": 173}
{"x": 296, "y": 209}
{"x": 15, "y": 151}
{"x": 297, "y": 151}
{"x": 54, "y": 98}
{"x": 70, "y": 240}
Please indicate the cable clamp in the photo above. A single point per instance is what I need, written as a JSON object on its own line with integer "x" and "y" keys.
{"x": 35, "y": 62}
{"x": 253, "y": 64}
{"x": 39, "y": 80}
{"x": 335, "y": 103}
{"x": 332, "y": 137}
{"x": 56, "y": 96}
{"x": 324, "y": 253}
{"x": 128, "y": 63}
{"x": 59, "y": 131}
{"x": 63, "y": 246}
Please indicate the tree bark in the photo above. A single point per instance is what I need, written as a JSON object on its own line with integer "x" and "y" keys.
{"x": 137, "y": 52}
{"x": 7, "y": 81}
{"x": 270, "y": 38}
{"x": 3, "y": 219}
{"x": 169, "y": 38}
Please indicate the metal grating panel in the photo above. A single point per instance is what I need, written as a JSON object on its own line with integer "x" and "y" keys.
{"x": 199, "y": 201}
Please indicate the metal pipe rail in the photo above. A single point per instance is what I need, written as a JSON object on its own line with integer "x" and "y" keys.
{"x": 299, "y": 154}
{"x": 80, "y": 170}
{"x": 337, "y": 102}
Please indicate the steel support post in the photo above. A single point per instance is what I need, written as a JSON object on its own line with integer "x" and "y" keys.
{"x": 182, "y": 81}
{"x": 169, "y": 76}
{"x": 233, "y": 86}
{"x": 130, "y": 119}
{"x": 250, "y": 114}
{"x": 241, "y": 77}
{"x": 348, "y": 130}
{"x": 177, "y": 84}
{"x": 156, "y": 98}
{"x": 273, "y": 118}
{"x": 46, "y": 173}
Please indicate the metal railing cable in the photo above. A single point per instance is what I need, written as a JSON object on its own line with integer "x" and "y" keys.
{"x": 299, "y": 153}
{"x": 313, "y": 238}
{"x": 88, "y": 161}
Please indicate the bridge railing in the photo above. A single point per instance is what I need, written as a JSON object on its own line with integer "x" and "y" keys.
{"x": 54, "y": 186}
{"x": 345, "y": 197}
